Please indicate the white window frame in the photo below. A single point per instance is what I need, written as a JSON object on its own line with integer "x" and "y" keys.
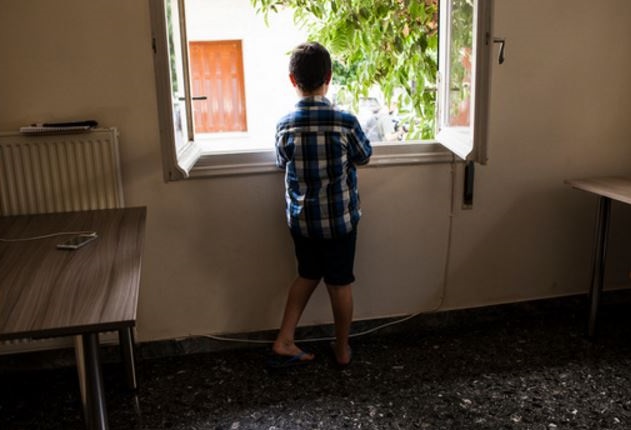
{"x": 187, "y": 160}
{"x": 468, "y": 143}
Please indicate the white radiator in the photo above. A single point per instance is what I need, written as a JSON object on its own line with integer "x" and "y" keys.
{"x": 58, "y": 173}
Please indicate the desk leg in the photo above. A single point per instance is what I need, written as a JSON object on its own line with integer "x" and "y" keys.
{"x": 79, "y": 357}
{"x": 600, "y": 254}
{"x": 95, "y": 413}
{"x": 126, "y": 342}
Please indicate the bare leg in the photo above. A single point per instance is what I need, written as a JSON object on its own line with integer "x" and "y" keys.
{"x": 299, "y": 294}
{"x": 342, "y": 304}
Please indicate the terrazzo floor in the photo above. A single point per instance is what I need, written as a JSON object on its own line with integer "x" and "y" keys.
{"x": 521, "y": 366}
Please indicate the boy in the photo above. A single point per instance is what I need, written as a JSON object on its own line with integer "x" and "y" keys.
{"x": 319, "y": 148}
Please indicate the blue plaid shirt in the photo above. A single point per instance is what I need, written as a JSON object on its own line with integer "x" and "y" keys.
{"x": 319, "y": 147}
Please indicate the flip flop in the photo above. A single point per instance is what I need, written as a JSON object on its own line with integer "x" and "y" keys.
{"x": 277, "y": 361}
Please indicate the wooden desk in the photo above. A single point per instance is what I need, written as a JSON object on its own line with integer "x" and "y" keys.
{"x": 46, "y": 292}
{"x": 607, "y": 188}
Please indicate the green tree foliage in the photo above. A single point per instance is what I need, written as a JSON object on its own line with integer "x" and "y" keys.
{"x": 389, "y": 44}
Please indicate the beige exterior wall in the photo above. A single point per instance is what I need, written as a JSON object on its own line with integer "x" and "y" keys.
{"x": 218, "y": 257}
{"x": 265, "y": 60}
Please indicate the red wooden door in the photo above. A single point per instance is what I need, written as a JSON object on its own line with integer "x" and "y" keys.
{"x": 217, "y": 74}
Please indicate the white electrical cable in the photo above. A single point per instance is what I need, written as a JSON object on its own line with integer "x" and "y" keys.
{"x": 45, "y": 236}
{"x": 450, "y": 229}
{"x": 313, "y": 339}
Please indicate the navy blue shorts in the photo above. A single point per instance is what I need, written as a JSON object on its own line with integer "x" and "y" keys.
{"x": 331, "y": 259}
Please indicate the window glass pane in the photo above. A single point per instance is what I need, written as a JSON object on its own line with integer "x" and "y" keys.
{"x": 460, "y": 62}
{"x": 176, "y": 70}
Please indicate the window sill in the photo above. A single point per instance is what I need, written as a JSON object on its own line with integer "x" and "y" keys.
{"x": 427, "y": 152}
{"x": 250, "y": 163}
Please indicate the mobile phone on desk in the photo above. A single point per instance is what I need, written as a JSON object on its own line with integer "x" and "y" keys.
{"x": 77, "y": 241}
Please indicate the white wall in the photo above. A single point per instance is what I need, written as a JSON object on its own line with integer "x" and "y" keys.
{"x": 218, "y": 257}
{"x": 559, "y": 110}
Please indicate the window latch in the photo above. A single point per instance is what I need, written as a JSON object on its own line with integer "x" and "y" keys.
{"x": 502, "y": 42}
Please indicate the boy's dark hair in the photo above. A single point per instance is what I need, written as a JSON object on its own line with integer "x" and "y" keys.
{"x": 310, "y": 64}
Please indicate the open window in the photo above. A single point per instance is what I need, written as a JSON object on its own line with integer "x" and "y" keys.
{"x": 180, "y": 152}
{"x": 191, "y": 103}
{"x": 465, "y": 45}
